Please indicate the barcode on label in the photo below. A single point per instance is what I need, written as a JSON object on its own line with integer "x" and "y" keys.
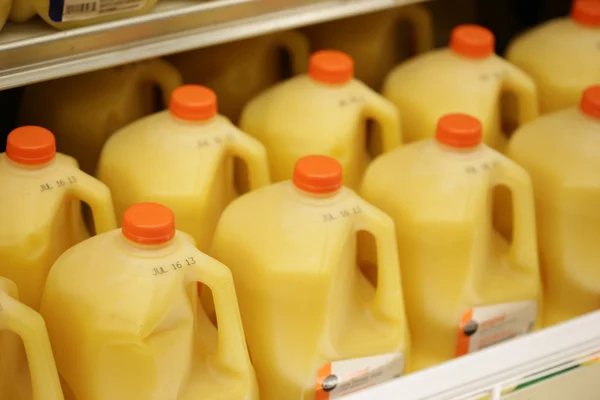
{"x": 81, "y": 8}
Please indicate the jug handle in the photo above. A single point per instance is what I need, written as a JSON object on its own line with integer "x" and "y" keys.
{"x": 97, "y": 195}
{"x": 298, "y": 47}
{"x": 388, "y": 118}
{"x": 254, "y": 154}
{"x": 232, "y": 351}
{"x": 163, "y": 74}
{"x": 524, "y": 232}
{"x": 388, "y": 294}
{"x": 420, "y": 19}
{"x": 515, "y": 81}
{"x": 31, "y": 328}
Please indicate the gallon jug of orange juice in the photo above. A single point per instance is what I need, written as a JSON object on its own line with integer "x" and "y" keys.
{"x": 562, "y": 55}
{"x": 40, "y": 209}
{"x": 84, "y": 110}
{"x": 375, "y": 41}
{"x": 468, "y": 283}
{"x": 182, "y": 158}
{"x": 27, "y": 369}
{"x": 561, "y": 151}
{"x": 323, "y": 112}
{"x": 67, "y": 14}
{"x": 315, "y": 326}
{"x": 468, "y": 78}
{"x": 240, "y": 70}
{"x": 125, "y": 320}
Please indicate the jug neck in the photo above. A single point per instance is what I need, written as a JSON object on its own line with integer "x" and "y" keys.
{"x": 195, "y": 123}
{"x": 29, "y": 167}
{"x": 458, "y": 150}
{"x": 147, "y": 250}
{"x": 315, "y": 196}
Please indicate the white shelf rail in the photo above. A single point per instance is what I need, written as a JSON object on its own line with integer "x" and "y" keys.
{"x": 488, "y": 372}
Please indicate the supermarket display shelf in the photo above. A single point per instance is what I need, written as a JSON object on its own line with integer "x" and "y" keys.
{"x": 489, "y": 373}
{"x": 34, "y": 52}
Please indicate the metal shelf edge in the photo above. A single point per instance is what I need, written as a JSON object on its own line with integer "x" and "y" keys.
{"x": 167, "y": 31}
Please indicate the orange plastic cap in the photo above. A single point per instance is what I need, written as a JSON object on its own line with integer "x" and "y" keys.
{"x": 458, "y": 130}
{"x": 331, "y": 66}
{"x": 318, "y": 174}
{"x": 148, "y": 223}
{"x": 586, "y": 12}
{"x": 472, "y": 41}
{"x": 193, "y": 103}
{"x": 590, "y": 101}
{"x": 31, "y": 145}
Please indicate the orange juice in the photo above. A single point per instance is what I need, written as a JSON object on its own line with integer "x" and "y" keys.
{"x": 467, "y": 78}
{"x": 561, "y": 152}
{"x": 240, "y": 70}
{"x": 561, "y": 55}
{"x": 323, "y": 112}
{"x": 27, "y": 369}
{"x": 315, "y": 325}
{"x": 85, "y": 110}
{"x": 125, "y": 320}
{"x": 468, "y": 283}
{"x": 374, "y": 40}
{"x": 40, "y": 195}
{"x": 182, "y": 158}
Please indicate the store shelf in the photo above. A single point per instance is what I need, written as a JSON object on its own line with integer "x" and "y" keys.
{"x": 489, "y": 373}
{"x": 33, "y": 51}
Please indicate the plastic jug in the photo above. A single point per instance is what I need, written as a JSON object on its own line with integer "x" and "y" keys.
{"x": 40, "y": 209}
{"x": 21, "y": 10}
{"x": 67, "y": 14}
{"x": 323, "y": 112}
{"x": 562, "y": 56}
{"x": 182, "y": 158}
{"x": 468, "y": 283}
{"x": 27, "y": 369}
{"x": 240, "y": 70}
{"x": 561, "y": 151}
{"x": 125, "y": 320}
{"x": 375, "y": 40}
{"x": 84, "y": 110}
{"x": 466, "y": 78}
{"x": 315, "y": 326}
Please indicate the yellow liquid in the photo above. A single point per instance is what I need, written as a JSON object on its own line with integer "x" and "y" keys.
{"x": 560, "y": 152}
{"x": 126, "y": 324}
{"x": 84, "y": 110}
{"x": 375, "y": 41}
{"x": 454, "y": 262}
{"x": 301, "y": 117}
{"x": 187, "y": 166}
{"x": 240, "y": 70}
{"x": 41, "y": 213}
{"x": 442, "y": 82}
{"x": 303, "y": 299}
{"x": 562, "y": 57}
